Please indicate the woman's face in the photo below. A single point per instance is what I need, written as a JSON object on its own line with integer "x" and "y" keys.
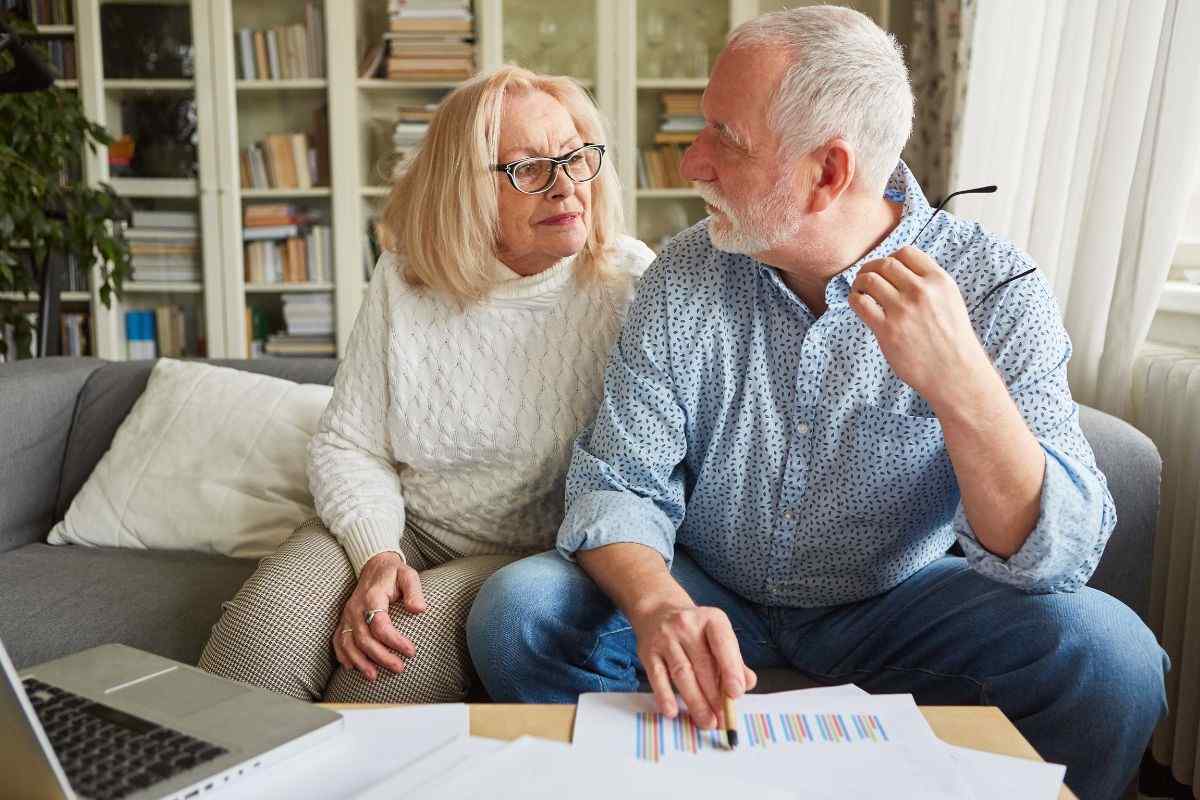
{"x": 538, "y": 230}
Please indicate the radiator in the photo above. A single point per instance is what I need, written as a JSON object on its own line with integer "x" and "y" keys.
{"x": 1166, "y": 407}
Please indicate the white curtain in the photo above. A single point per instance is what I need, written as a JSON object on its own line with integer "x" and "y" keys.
{"x": 1086, "y": 114}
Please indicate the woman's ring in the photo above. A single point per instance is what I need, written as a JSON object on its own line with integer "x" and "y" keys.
{"x": 347, "y": 630}
{"x": 370, "y": 615}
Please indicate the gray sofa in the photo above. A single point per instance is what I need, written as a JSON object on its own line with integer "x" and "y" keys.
{"x": 58, "y": 416}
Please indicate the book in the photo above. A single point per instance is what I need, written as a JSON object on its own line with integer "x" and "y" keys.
{"x": 371, "y": 62}
{"x": 246, "y": 51}
{"x": 261, "y": 63}
{"x": 300, "y": 160}
{"x": 273, "y": 55}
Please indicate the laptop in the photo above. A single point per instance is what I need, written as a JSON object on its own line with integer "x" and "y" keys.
{"x": 115, "y": 722}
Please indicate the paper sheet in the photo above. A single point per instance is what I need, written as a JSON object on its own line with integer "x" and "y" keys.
{"x": 374, "y": 744}
{"x": 433, "y": 767}
{"x": 997, "y": 777}
{"x": 830, "y": 744}
{"x": 535, "y": 769}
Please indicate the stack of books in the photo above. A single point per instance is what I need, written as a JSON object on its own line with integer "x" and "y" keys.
{"x": 286, "y": 51}
{"x": 165, "y": 246}
{"x": 412, "y": 123}
{"x": 51, "y": 12}
{"x": 280, "y": 161}
{"x": 62, "y": 57}
{"x": 680, "y": 123}
{"x": 153, "y": 332}
{"x": 75, "y": 333}
{"x": 309, "y": 319}
{"x": 430, "y": 40}
{"x": 285, "y": 244}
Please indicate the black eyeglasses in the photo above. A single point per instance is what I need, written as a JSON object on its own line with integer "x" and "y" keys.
{"x": 536, "y": 175}
{"x": 940, "y": 206}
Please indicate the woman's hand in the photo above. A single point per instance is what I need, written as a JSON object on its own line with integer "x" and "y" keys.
{"x": 384, "y": 579}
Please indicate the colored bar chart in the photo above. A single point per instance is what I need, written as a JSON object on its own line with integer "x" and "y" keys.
{"x": 657, "y": 736}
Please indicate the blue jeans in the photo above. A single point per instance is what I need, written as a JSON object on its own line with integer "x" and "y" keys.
{"x": 1079, "y": 674}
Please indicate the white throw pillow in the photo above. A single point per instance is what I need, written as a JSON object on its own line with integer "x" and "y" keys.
{"x": 210, "y": 459}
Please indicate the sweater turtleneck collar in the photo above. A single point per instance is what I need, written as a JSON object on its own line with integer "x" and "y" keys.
{"x": 548, "y": 282}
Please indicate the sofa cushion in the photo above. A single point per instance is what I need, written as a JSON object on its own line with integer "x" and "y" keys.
{"x": 37, "y": 404}
{"x": 1131, "y": 464}
{"x": 59, "y": 600}
{"x": 110, "y": 393}
{"x": 209, "y": 459}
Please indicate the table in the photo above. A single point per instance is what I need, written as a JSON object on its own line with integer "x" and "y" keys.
{"x": 978, "y": 727}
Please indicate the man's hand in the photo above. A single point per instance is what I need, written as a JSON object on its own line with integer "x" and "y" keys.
{"x": 384, "y": 579}
{"x": 695, "y": 651}
{"x": 918, "y": 316}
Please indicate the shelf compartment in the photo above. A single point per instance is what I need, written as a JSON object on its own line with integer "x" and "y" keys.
{"x": 149, "y": 84}
{"x": 278, "y": 288}
{"x": 265, "y": 194}
{"x": 133, "y": 287}
{"x": 155, "y": 187}
{"x": 291, "y": 84}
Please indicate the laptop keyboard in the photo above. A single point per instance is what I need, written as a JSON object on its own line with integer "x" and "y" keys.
{"x": 107, "y": 753}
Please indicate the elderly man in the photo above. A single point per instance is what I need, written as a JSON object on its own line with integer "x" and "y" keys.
{"x": 819, "y": 390}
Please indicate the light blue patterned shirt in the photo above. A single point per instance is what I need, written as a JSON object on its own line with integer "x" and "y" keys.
{"x": 785, "y": 455}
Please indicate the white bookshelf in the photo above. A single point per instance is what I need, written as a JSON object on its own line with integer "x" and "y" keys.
{"x": 595, "y": 41}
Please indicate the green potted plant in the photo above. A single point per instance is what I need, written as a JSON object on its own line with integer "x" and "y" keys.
{"x": 42, "y": 136}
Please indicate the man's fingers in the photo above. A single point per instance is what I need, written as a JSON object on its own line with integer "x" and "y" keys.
{"x": 660, "y": 684}
{"x": 916, "y": 259}
{"x": 683, "y": 675}
{"x": 868, "y": 310}
{"x": 409, "y": 584}
{"x": 751, "y": 678}
{"x": 899, "y": 275}
{"x": 384, "y": 631}
{"x": 877, "y": 287}
{"x": 723, "y": 644}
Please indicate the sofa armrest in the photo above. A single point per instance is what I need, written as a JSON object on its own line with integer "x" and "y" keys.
{"x": 38, "y": 398}
{"x": 1133, "y": 467}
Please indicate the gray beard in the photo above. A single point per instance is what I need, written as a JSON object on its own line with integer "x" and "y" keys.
{"x": 757, "y": 233}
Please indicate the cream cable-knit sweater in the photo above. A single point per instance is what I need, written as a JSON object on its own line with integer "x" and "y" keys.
{"x": 464, "y": 419}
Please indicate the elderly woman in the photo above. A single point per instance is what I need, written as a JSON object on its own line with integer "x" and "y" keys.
{"x": 476, "y": 358}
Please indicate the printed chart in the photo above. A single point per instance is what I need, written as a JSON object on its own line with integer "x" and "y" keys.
{"x": 655, "y": 735}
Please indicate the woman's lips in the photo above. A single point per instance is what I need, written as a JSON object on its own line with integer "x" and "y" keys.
{"x": 560, "y": 219}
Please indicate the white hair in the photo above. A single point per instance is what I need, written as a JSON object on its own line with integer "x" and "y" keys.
{"x": 845, "y": 78}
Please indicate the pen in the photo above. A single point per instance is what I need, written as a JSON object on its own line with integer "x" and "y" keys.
{"x": 731, "y": 733}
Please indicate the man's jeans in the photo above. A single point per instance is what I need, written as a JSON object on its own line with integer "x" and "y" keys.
{"x": 1078, "y": 674}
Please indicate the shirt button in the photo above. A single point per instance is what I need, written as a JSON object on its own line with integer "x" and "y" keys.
{"x": 802, "y": 428}
{"x": 789, "y": 515}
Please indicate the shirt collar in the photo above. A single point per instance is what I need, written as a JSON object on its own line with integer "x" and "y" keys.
{"x": 902, "y": 187}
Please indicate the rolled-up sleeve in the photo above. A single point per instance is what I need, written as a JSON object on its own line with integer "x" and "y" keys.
{"x": 626, "y": 479}
{"x": 1031, "y": 349}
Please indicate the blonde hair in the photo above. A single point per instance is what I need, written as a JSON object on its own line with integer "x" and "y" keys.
{"x": 443, "y": 216}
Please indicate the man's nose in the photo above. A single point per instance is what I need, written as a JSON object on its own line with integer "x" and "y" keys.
{"x": 695, "y": 164}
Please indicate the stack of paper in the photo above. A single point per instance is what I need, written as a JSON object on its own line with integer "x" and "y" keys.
{"x": 831, "y": 742}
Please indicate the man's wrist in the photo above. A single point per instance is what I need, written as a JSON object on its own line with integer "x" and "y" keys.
{"x": 970, "y": 395}
{"x": 668, "y": 599}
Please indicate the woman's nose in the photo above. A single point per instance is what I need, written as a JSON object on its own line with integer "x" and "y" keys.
{"x": 562, "y": 186}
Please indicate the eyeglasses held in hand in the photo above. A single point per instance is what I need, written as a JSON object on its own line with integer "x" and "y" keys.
{"x": 537, "y": 175}
{"x": 940, "y": 206}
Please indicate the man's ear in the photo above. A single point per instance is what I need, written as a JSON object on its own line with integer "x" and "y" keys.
{"x": 833, "y": 173}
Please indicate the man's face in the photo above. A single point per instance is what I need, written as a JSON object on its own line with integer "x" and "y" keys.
{"x": 735, "y": 162}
